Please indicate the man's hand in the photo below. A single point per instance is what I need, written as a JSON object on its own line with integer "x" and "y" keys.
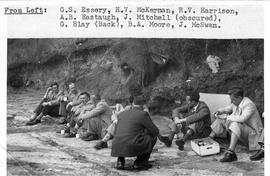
{"x": 45, "y": 104}
{"x": 222, "y": 116}
{"x": 217, "y": 113}
{"x": 63, "y": 98}
{"x": 49, "y": 88}
{"x": 81, "y": 117}
{"x": 177, "y": 120}
{"x": 114, "y": 117}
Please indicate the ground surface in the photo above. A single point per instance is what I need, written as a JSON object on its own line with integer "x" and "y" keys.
{"x": 38, "y": 150}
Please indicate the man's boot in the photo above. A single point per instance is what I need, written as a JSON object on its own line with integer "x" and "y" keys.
{"x": 167, "y": 140}
{"x": 258, "y": 155}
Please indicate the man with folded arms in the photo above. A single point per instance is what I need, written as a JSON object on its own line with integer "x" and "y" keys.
{"x": 49, "y": 105}
{"x": 193, "y": 119}
{"x": 242, "y": 120}
{"x": 135, "y": 135}
{"x": 74, "y": 123}
{"x": 96, "y": 121}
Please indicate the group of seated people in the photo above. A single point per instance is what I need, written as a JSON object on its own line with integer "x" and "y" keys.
{"x": 134, "y": 134}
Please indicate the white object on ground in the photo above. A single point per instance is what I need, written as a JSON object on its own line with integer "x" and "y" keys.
{"x": 205, "y": 146}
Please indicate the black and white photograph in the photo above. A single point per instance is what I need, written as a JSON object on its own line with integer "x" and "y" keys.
{"x": 135, "y": 106}
{"x": 129, "y": 88}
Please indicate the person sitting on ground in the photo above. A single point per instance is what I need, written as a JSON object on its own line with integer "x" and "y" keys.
{"x": 68, "y": 101}
{"x": 74, "y": 123}
{"x": 135, "y": 135}
{"x": 96, "y": 121}
{"x": 260, "y": 153}
{"x": 193, "y": 119}
{"x": 110, "y": 131}
{"x": 49, "y": 105}
{"x": 242, "y": 120}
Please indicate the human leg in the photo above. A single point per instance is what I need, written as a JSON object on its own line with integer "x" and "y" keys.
{"x": 167, "y": 140}
{"x": 260, "y": 153}
{"x": 108, "y": 136}
{"x": 120, "y": 164}
{"x": 181, "y": 142}
{"x": 142, "y": 161}
{"x": 94, "y": 129}
{"x": 235, "y": 129}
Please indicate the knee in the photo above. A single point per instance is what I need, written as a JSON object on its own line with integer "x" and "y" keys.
{"x": 235, "y": 128}
{"x": 235, "y": 125}
{"x": 174, "y": 128}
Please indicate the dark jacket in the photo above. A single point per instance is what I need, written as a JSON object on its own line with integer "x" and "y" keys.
{"x": 135, "y": 134}
{"x": 201, "y": 116}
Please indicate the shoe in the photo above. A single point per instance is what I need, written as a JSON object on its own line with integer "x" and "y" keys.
{"x": 91, "y": 137}
{"x": 69, "y": 135}
{"x": 33, "y": 122}
{"x": 85, "y": 135}
{"x": 100, "y": 145}
{"x": 180, "y": 143}
{"x": 165, "y": 140}
{"x": 257, "y": 156}
{"x": 120, "y": 164}
{"x": 142, "y": 167}
{"x": 229, "y": 156}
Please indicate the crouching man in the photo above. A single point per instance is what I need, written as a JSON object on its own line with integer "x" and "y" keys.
{"x": 135, "y": 135}
{"x": 243, "y": 122}
{"x": 193, "y": 119}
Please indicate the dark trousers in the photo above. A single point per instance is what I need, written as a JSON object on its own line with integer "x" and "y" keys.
{"x": 52, "y": 111}
{"x": 144, "y": 158}
{"x": 62, "y": 109}
{"x": 73, "y": 120}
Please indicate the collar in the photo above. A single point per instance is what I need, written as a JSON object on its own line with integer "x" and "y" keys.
{"x": 241, "y": 103}
{"x": 196, "y": 107}
{"x": 137, "y": 107}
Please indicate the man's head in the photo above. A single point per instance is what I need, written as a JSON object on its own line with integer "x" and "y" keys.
{"x": 54, "y": 86}
{"x": 236, "y": 95}
{"x": 72, "y": 88}
{"x": 84, "y": 97}
{"x": 192, "y": 98}
{"x": 95, "y": 98}
{"x": 139, "y": 100}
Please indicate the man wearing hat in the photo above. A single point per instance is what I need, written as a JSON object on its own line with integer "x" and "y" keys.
{"x": 135, "y": 135}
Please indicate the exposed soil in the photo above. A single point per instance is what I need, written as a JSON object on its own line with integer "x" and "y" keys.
{"x": 119, "y": 67}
